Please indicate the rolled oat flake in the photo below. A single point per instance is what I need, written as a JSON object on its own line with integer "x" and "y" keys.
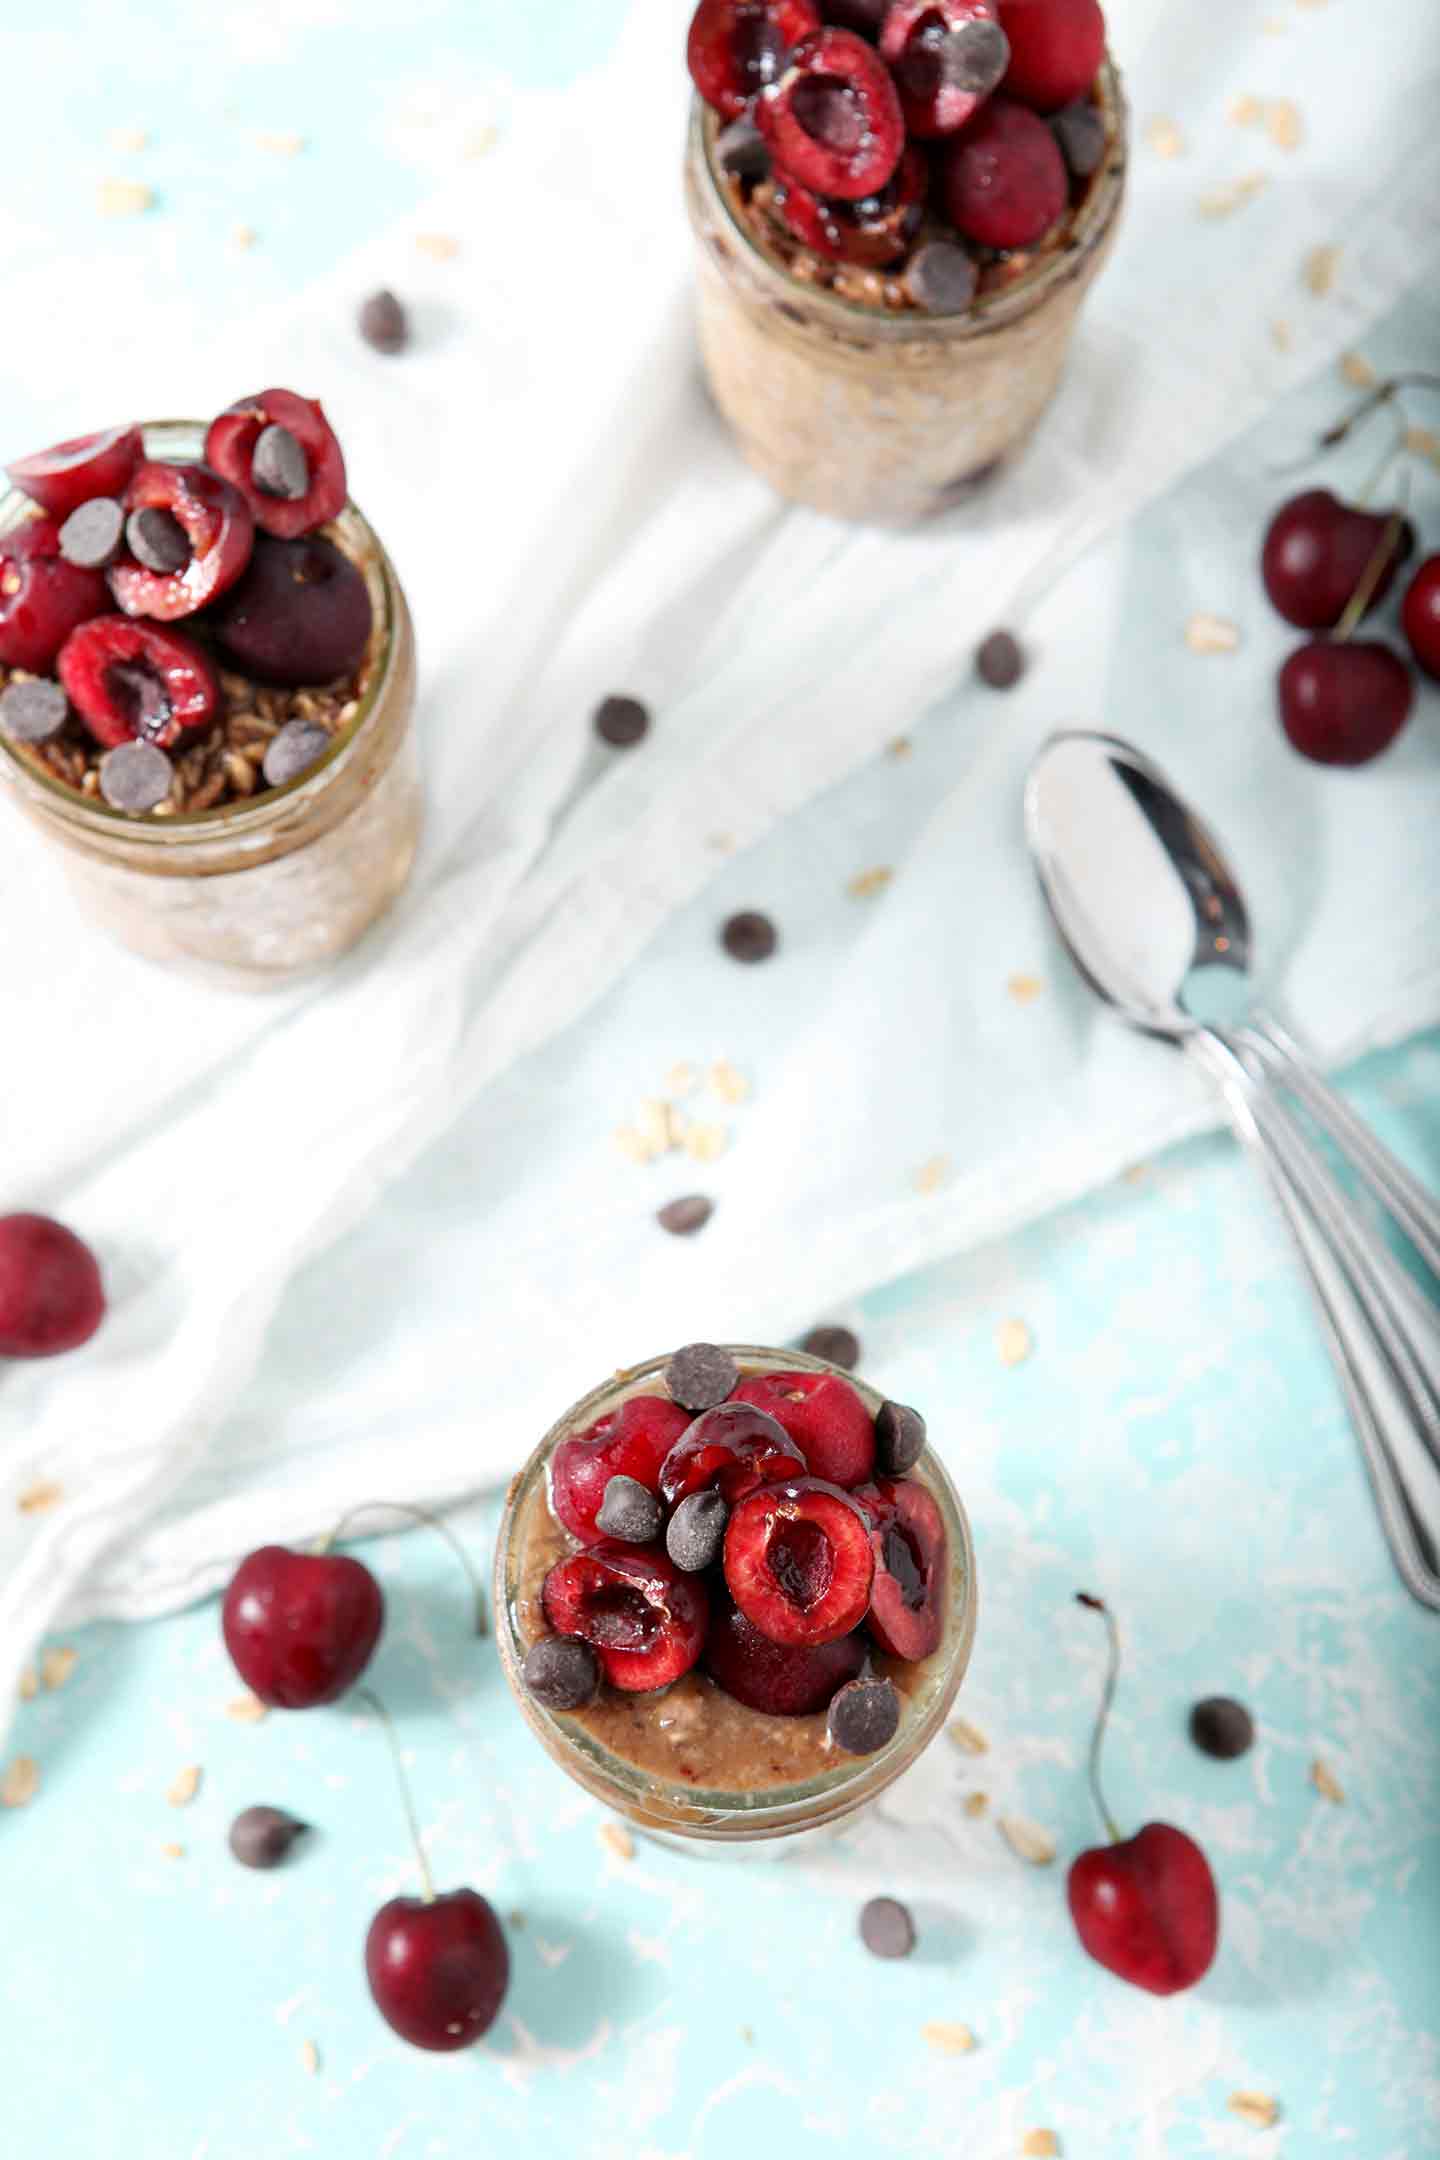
{"x": 135, "y": 776}
{"x": 295, "y": 749}
{"x": 33, "y": 712}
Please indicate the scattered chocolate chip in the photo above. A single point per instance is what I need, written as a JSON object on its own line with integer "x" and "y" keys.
{"x": 864, "y": 1715}
{"x": 975, "y": 56}
{"x": 941, "y": 278}
{"x": 837, "y": 1345}
{"x": 701, "y": 1375}
{"x": 157, "y": 540}
{"x": 886, "y": 1928}
{"x": 561, "y": 1672}
{"x": 260, "y": 1837}
{"x": 293, "y": 751}
{"x": 278, "y": 466}
{"x": 740, "y": 151}
{"x": 622, "y": 722}
{"x": 383, "y": 322}
{"x": 1222, "y": 1727}
{"x": 683, "y": 1217}
{"x": 749, "y": 936}
{"x": 90, "y": 537}
{"x": 696, "y": 1530}
{"x": 33, "y": 712}
{"x": 999, "y": 660}
{"x": 629, "y": 1511}
{"x": 1080, "y": 132}
{"x": 135, "y": 776}
{"x": 899, "y": 1438}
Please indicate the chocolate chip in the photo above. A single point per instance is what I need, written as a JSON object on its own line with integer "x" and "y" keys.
{"x": 260, "y": 1837}
{"x": 1080, "y": 132}
{"x": 749, "y": 936}
{"x": 701, "y": 1375}
{"x": 741, "y": 151}
{"x": 293, "y": 751}
{"x": 837, "y": 1345}
{"x": 941, "y": 278}
{"x": 622, "y": 722}
{"x": 975, "y": 56}
{"x": 135, "y": 776}
{"x": 683, "y": 1217}
{"x": 279, "y": 466}
{"x": 629, "y": 1511}
{"x": 33, "y": 712}
{"x": 383, "y": 322}
{"x": 157, "y": 540}
{"x": 696, "y": 1530}
{"x": 1222, "y": 1727}
{"x": 999, "y": 660}
{"x": 90, "y": 537}
{"x": 886, "y": 1928}
{"x": 561, "y": 1672}
{"x": 899, "y": 1438}
{"x": 864, "y": 1715}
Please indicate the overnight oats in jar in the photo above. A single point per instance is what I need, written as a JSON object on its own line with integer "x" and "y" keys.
{"x": 207, "y": 689}
{"x": 735, "y": 1594}
{"x": 898, "y": 211}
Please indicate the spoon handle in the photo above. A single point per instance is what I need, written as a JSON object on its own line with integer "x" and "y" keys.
{"x": 1373, "y": 1359}
{"x": 1396, "y": 1188}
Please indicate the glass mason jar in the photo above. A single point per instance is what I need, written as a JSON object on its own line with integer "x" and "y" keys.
{"x": 254, "y": 893}
{"x": 697, "y": 1817}
{"x": 885, "y": 415}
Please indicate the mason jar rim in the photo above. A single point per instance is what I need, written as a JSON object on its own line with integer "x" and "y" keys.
{"x": 276, "y": 805}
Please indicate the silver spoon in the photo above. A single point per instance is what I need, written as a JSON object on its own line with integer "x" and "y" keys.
{"x": 1155, "y": 921}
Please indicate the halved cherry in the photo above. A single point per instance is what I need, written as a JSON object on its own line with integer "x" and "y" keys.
{"x": 824, "y": 1417}
{"x": 833, "y": 120}
{"x": 946, "y": 56}
{"x": 42, "y": 597}
{"x": 736, "y": 47}
{"x": 132, "y": 682}
{"x": 782, "y": 1679}
{"x": 907, "y": 1537}
{"x": 231, "y": 447}
{"x": 632, "y": 1441}
{"x": 74, "y": 472}
{"x": 798, "y": 1561}
{"x": 736, "y": 1448}
{"x": 877, "y": 230}
{"x": 644, "y": 1620}
{"x": 215, "y": 519}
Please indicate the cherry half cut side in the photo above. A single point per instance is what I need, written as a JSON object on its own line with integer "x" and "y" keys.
{"x": 833, "y": 120}
{"x": 75, "y": 472}
{"x": 737, "y": 48}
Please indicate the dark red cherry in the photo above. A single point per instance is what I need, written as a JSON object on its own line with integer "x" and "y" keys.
{"x": 1147, "y": 1908}
{"x": 215, "y": 526}
{"x": 75, "y": 472}
{"x": 300, "y": 614}
{"x": 1343, "y": 703}
{"x": 946, "y": 56}
{"x": 301, "y": 1627}
{"x": 1056, "y": 47}
{"x": 1002, "y": 178}
{"x": 282, "y": 454}
{"x": 832, "y": 120}
{"x": 42, "y": 597}
{"x": 438, "y": 1968}
{"x": 1315, "y": 552}
{"x": 1420, "y": 615}
{"x": 51, "y": 1294}
{"x": 737, "y": 47}
{"x": 783, "y": 1680}
{"x": 875, "y": 231}
{"x": 136, "y": 682}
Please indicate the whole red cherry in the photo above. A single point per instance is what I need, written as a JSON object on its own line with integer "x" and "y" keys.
{"x": 301, "y": 1627}
{"x": 1420, "y": 615}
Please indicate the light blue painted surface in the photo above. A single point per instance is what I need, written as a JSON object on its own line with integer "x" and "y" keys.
{"x": 1195, "y": 1465}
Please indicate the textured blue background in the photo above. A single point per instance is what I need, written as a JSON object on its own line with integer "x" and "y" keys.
{"x": 1185, "y": 1451}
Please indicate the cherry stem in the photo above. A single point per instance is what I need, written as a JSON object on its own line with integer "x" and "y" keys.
{"x": 1370, "y": 577}
{"x": 373, "y": 1702}
{"x": 1107, "y": 1698}
{"x": 1372, "y": 401}
{"x": 433, "y": 1522}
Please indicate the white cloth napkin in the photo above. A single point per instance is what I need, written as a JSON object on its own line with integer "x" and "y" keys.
{"x": 365, "y": 1238}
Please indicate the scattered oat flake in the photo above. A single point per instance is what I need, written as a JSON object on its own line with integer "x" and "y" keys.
{"x": 617, "y": 1840}
{"x": 1319, "y": 269}
{"x": 747, "y": 2034}
{"x": 1280, "y": 336}
{"x": 1211, "y": 634}
{"x": 652, "y": 1122}
{"x": 630, "y": 1143}
{"x": 280, "y": 142}
{"x": 1323, "y": 1778}
{"x": 1026, "y": 1839}
{"x": 1024, "y": 988}
{"x": 246, "y": 1709}
{"x": 677, "y": 1125}
{"x": 1356, "y": 369}
{"x": 243, "y": 237}
{"x": 729, "y": 1084}
{"x": 1283, "y": 124}
{"x": 173, "y": 1852}
{"x": 869, "y": 882}
{"x": 1040, "y": 2145}
{"x": 44, "y": 1493}
{"x": 1423, "y": 442}
{"x": 1255, "y": 2108}
{"x": 948, "y": 2039}
{"x": 1135, "y": 1173}
{"x": 1014, "y": 1342}
{"x": 129, "y": 139}
{"x": 967, "y": 1736}
{"x": 1165, "y": 138}
{"x": 185, "y": 1787}
{"x": 706, "y": 1142}
{"x": 480, "y": 141}
{"x": 1224, "y": 201}
{"x": 29, "y": 1683}
{"x": 682, "y": 1079}
{"x": 976, "y": 1803}
{"x": 310, "y": 2058}
{"x": 57, "y": 1665}
{"x": 124, "y": 198}
{"x": 439, "y": 246}
{"x": 931, "y": 1175}
{"x": 21, "y": 1781}
{"x": 1243, "y": 110}
{"x": 901, "y": 747}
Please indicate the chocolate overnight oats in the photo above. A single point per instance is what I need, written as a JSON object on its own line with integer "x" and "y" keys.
{"x": 207, "y": 687}
{"x": 898, "y": 210}
{"x": 735, "y": 1593}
